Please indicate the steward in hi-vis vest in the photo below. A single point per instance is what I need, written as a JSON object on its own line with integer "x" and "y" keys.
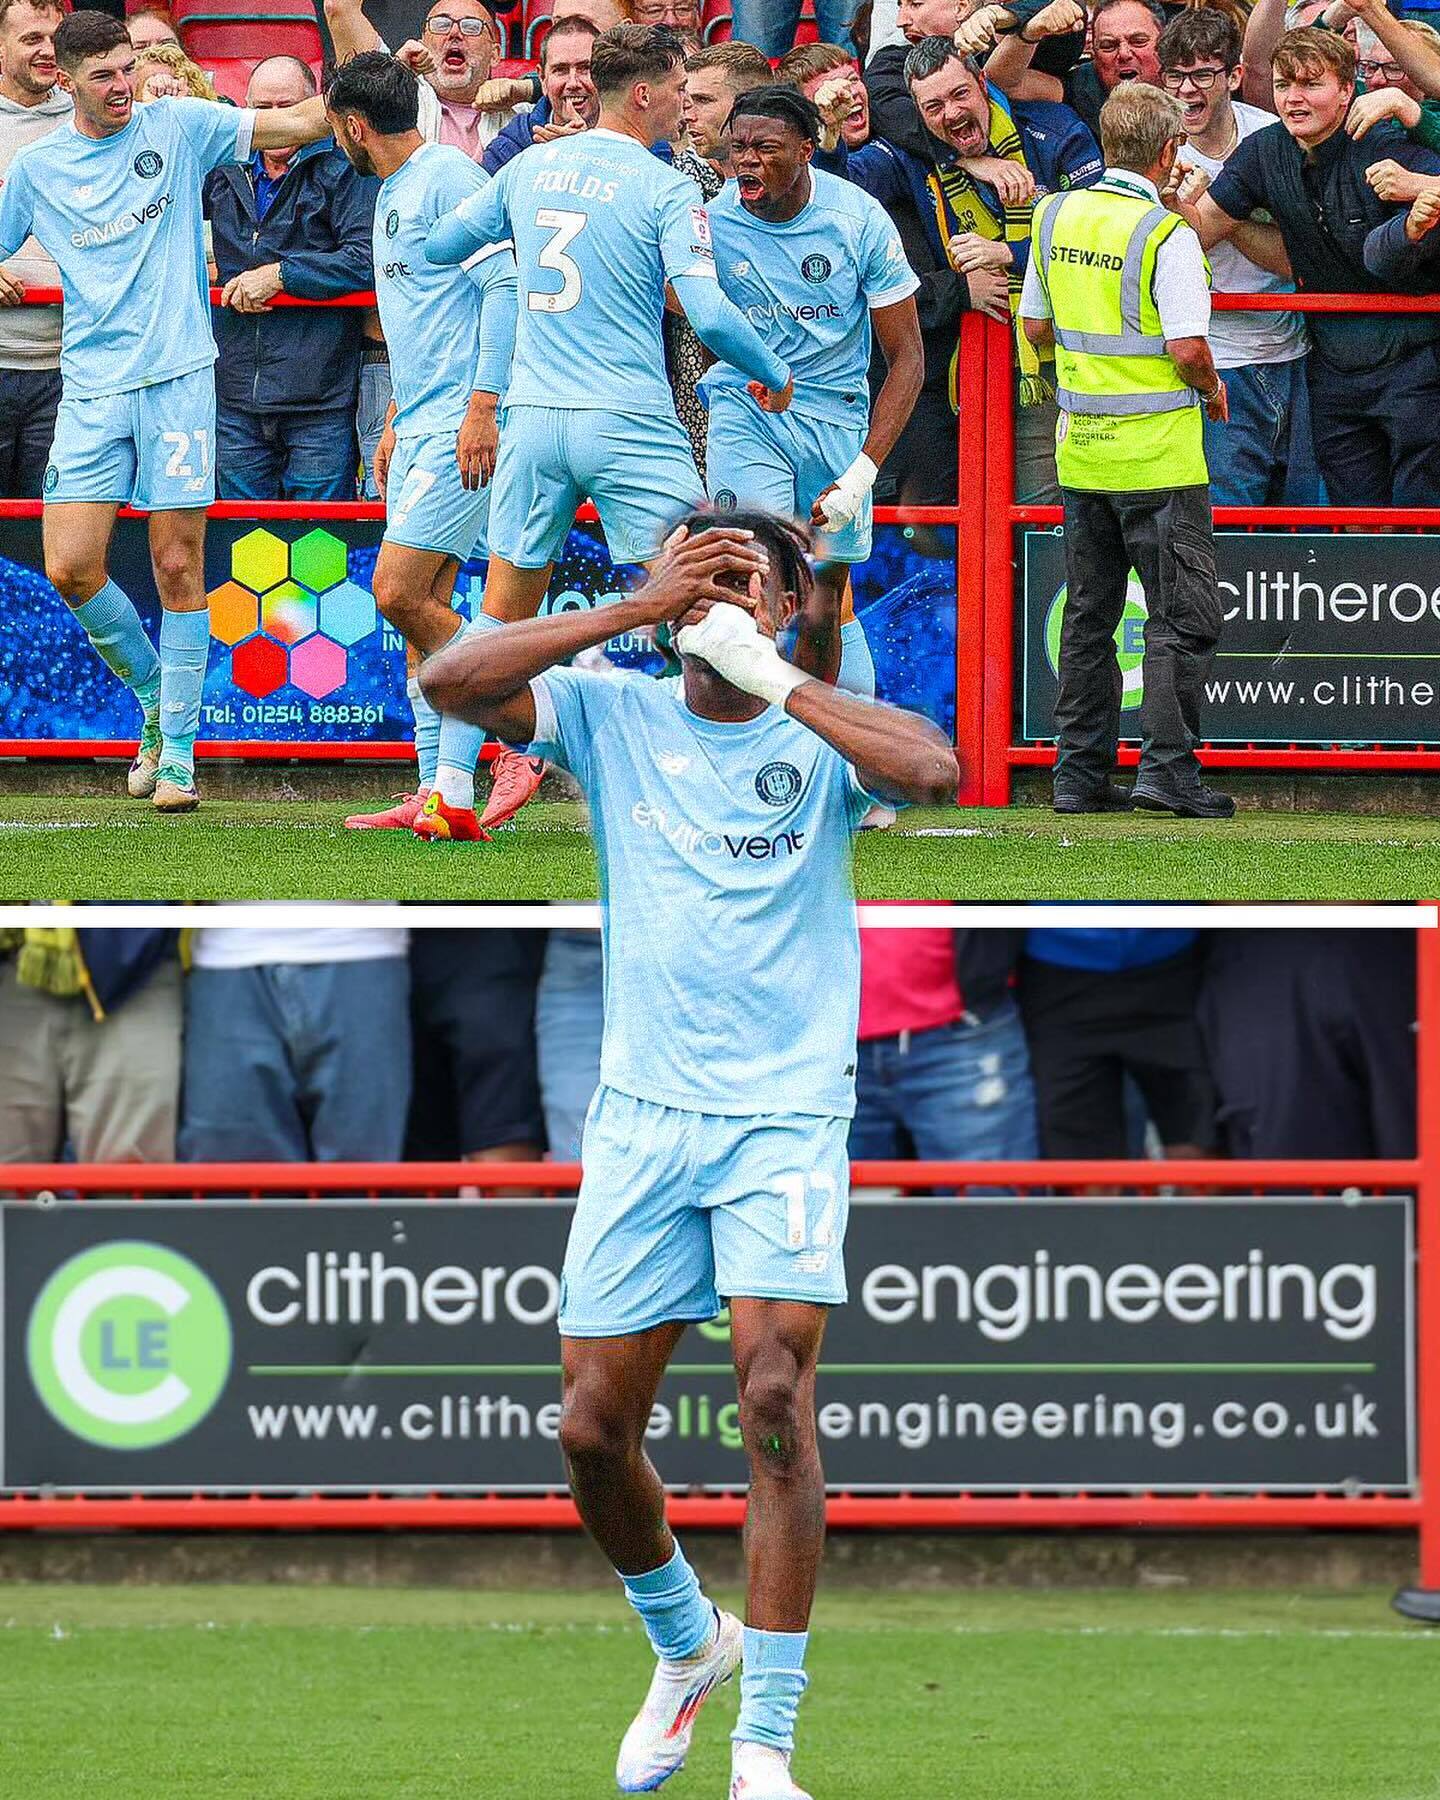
{"x": 1120, "y": 286}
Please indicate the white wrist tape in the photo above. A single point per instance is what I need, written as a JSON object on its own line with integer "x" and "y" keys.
{"x": 846, "y": 498}
{"x": 730, "y": 641}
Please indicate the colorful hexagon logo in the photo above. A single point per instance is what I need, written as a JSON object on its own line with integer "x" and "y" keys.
{"x": 290, "y": 613}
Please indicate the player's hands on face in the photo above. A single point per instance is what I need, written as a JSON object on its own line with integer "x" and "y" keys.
{"x": 970, "y": 251}
{"x": 253, "y": 289}
{"x": 990, "y": 293}
{"x": 1384, "y": 103}
{"x": 772, "y": 400}
{"x": 12, "y": 289}
{"x": 725, "y": 563}
{"x": 478, "y": 441}
{"x": 1013, "y": 183}
{"x": 384, "y": 450}
{"x": 1393, "y": 183}
{"x": 419, "y": 59}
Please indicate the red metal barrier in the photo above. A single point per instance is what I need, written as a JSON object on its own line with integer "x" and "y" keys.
{"x": 1419, "y": 1511}
{"x": 992, "y": 495}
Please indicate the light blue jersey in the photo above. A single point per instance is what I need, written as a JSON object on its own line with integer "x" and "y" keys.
{"x": 808, "y": 287}
{"x": 599, "y": 224}
{"x": 121, "y": 216}
{"x": 731, "y": 949}
{"x": 435, "y": 311}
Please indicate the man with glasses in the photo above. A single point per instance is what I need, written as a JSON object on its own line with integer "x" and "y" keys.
{"x": 1263, "y": 455}
{"x": 676, "y": 15}
{"x": 1373, "y": 378}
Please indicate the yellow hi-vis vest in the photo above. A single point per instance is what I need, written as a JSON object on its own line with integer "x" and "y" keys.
{"x": 1128, "y": 421}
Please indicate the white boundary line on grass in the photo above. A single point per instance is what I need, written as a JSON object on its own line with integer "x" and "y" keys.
{"x": 890, "y": 915}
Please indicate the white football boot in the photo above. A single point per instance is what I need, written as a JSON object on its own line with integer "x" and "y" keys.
{"x": 656, "y": 1744}
{"x": 759, "y": 1773}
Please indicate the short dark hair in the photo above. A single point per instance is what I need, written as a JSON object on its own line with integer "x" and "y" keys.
{"x": 1200, "y": 32}
{"x": 87, "y": 33}
{"x": 930, "y": 56}
{"x": 785, "y": 541}
{"x": 384, "y": 92}
{"x": 572, "y": 25}
{"x": 626, "y": 54}
{"x": 781, "y": 101}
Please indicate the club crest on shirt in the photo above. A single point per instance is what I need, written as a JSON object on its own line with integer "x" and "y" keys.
{"x": 392, "y": 223}
{"x": 778, "y": 783}
{"x": 724, "y": 499}
{"x": 148, "y": 164}
{"x": 816, "y": 269}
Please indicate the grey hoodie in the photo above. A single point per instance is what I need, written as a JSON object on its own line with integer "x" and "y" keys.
{"x": 30, "y": 335}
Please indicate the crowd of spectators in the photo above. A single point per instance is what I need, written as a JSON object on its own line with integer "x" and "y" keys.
{"x": 957, "y": 114}
{"x": 339, "y": 1044}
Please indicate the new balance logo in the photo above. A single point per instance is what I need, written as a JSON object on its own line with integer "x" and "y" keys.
{"x": 671, "y": 762}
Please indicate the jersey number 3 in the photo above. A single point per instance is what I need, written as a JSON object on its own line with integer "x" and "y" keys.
{"x": 565, "y": 228}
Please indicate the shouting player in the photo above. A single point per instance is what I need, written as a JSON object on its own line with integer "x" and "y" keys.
{"x": 812, "y": 260}
{"x": 436, "y": 458}
{"x": 600, "y": 226}
{"x": 116, "y": 202}
{"x": 715, "y": 1150}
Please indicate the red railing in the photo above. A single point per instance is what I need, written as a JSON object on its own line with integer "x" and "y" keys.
{"x": 1419, "y": 1511}
{"x": 993, "y": 498}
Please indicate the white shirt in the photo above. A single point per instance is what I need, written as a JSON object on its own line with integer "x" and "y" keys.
{"x": 1182, "y": 293}
{"x": 1237, "y": 339}
{"x": 239, "y": 947}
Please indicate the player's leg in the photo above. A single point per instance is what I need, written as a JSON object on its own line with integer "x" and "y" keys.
{"x": 90, "y": 474}
{"x": 822, "y": 450}
{"x": 638, "y": 1267}
{"x": 533, "y": 502}
{"x": 778, "y": 1237}
{"x": 404, "y": 809}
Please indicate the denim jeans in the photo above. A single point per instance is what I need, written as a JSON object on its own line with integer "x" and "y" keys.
{"x": 958, "y": 1092}
{"x": 286, "y": 456}
{"x": 1264, "y": 454}
{"x": 28, "y": 402}
{"x": 370, "y": 413}
{"x": 569, "y": 1021}
{"x": 770, "y": 24}
{"x": 297, "y": 1062}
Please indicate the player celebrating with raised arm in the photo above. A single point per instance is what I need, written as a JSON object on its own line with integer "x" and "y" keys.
{"x": 813, "y": 260}
{"x": 116, "y": 200}
{"x": 435, "y": 460}
{"x": 600, "y": 226}
{"x": 715, "y": 1150}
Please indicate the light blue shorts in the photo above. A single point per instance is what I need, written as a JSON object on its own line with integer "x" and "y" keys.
{"x": 428, "y": 506}
{"x": 784, "y": 462}
{"x": 153, "y": 448}
{"x": 638, "y": 470}
{"x": 679, "y": 1208}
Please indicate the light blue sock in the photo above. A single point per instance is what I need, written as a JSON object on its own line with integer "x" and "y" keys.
{"x": 857, "y": 666}
{"x": 427, "y": 732}
{"x": 184, "y": 651}
{"x": 460, "y": 744}
{"x": 677, "y": 1617}
{"x": 771, "y": 1683}
{"x": 113, "y": 627}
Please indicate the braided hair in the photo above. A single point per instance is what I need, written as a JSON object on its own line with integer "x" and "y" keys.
{"x": 783, "y": 101}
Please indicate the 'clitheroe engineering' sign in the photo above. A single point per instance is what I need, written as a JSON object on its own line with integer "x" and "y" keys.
{"x": 1326, "y": 639}
{"x": 1077, "y": 1343}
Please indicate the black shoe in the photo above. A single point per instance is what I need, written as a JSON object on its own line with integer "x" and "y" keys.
{"x": 1107, "y": 798}
{"x": 1198, "y": 802}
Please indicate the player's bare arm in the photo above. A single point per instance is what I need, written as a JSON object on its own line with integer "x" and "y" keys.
{"x": 486, "y": 680}
{"x": 278, "y": 127}
{"x": 350, "y": 31}
{"x": 898, "y": 329}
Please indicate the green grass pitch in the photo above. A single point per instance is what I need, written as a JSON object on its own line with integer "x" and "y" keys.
{"x": 329, "y": 1694}
{"x": 111, "y": 849}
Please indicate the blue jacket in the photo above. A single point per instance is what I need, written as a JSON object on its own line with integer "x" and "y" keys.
{"x": 293, "y": 359}
{"x": 121, "y": 959}
{"x": 518, "y": 135}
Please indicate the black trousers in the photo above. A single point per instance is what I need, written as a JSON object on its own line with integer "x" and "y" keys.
{"x": 1088, "y": 1029}
{"x": 1375, "y": 437}
{"x": 1311, "y": 1036}
{"x": 1166, "y": 537}
{"x": 29, "y": 399}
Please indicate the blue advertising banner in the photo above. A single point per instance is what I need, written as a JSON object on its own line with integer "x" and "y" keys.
{"x": 300, "y": 655}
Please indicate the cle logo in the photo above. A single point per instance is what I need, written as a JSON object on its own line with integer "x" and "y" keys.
{"x": 289, "y": 613}
{"x": 129, "y": 1345}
